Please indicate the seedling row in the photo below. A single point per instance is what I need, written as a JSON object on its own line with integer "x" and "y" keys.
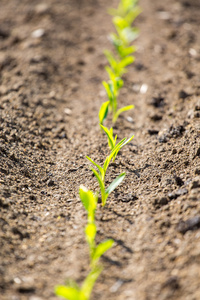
{"x": 125, "y": 34}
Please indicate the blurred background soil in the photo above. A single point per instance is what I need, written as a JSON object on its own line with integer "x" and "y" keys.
{"x": 51, "y": 68}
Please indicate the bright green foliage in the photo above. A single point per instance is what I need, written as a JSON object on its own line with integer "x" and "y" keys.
{"x": 100, "y": 174}
{"x": 118, "y": 67}
{"x": 71, "y": 291}
{"x": 121, "y": 110}
{"x": 123, "y": 18}
{"x": 89, "y": 201}
{"x": 103, "y": 112}
{"x": 111, "y": 139}
{"x": 126, "y": 7}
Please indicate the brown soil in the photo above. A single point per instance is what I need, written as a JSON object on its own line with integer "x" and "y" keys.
{"x": 50, "y": 94}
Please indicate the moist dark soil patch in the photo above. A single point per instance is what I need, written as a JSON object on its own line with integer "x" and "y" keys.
{"x": 51, "y": 68}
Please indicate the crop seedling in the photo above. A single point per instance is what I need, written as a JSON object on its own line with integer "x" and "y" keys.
{"x": 71, "y": 290}
{"x": 123, "y": 18}
{"x": 89, "y": 200}
{"x": 100, "y": 176}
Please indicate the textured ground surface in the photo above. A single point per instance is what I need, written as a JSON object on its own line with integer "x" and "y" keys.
{"x": 50, "y": 94}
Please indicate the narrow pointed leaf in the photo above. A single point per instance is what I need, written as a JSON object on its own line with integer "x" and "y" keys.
{"x": 103, "y": 112}
{"x": 120, "y": 23}
{"x": 108, "y": 90}
{"x": 112, "y": 154}
{"x": 115, "y": 183}
{"x": 87, "y": 198}
{"x": 101, "y": 183}
{"x": 96, "y": 165}
{"x": 121, "y": 110}
{"x": 126, "y": 61}
{"x": 67, "y": 292}
{"x": 127, "y": 141}
{"x": 109, "y": 135}
{"x": 102, "y": 248}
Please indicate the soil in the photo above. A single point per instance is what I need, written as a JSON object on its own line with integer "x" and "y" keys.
{"x": 51, "y": 68}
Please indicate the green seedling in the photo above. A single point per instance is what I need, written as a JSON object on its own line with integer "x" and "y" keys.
{"x": 89, "y": 200}
{"x": 123, "y": 18}
{"x": 71, "y": 291}
{"x": 125, "y": 7}
{"x": 112, "y": 87}
{"x": 100, "y": 174}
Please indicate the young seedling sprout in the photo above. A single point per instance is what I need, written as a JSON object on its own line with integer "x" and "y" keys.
{"x": 126, "y": 13}
{"x": 71, "y": 290}
{"x": 89, "y": 200}
{"x": 123, "y": 17}
{"x": 100, "y": 174}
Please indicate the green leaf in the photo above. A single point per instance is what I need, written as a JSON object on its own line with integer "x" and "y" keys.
{"x": 96, "y": 165}
{"x": 108, "y": 89}
{"x": 128, "y": 60}
{"x": 129, "y": 34}
{"x": 89, "y": 282}
{"x": 100, "y": 180}
{"x": 103, "y": 112}
{"x": 132, "y": 14}
{"x": 111, "y": 59}
{"x": 115, "y": 183}
{"x": 112, "y": 154}
{"x": 88, "y": 199}
{"x": 125, "y": 51}
{"x": 67, "y": 292}
{"x": 101, "y": 249}
{"x": 109, "y": 135}
{"x": 120, "y": 23}
{"x": 121, "y": 110}
{"x": 127, "y": 141}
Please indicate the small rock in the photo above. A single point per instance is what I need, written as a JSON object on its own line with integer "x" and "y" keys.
{"x": 144, "y": 88}
{"x": 177, "y": 193}
{"x": 68, "y": 111}
{"x": 197, "y": 171}
{"x": 197, "y": 153}
{"x": 190, "y": 224}
{"x": 157, "y": 102}
{"x": 26, "y": 289}
{"x": 42, "y": 8}
{"x": 130, "y": 119}
{"x": 178, "y": 180}
{"x": 50, "y": 182}
{"x": 156, "y": 117}
{"x": 153, "y": 131}
{"x": 174, "y": 151}
{"x": 38, "y": 33}
{"x": 172, "y": 282}
{"x": 183, "y": 95}
{"x": 195, "y": 183}
{"x": 197, "y": 106}
{"x": 163, "y": 138}
{"x": 160, "y": 202}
